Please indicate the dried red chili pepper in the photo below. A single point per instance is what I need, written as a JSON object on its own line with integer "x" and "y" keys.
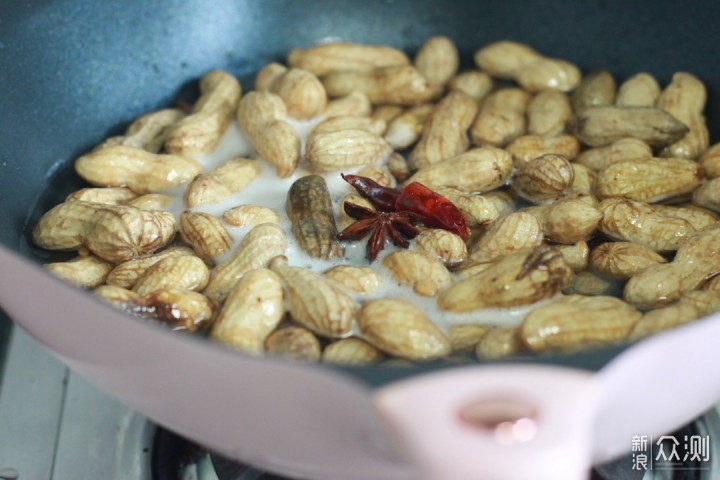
{"x": 383, "y": 198}
{"x": 435, "y": 210}
{"x": 398, "y": 213}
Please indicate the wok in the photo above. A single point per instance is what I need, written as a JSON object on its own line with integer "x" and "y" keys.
{"x": 75, "y": 72}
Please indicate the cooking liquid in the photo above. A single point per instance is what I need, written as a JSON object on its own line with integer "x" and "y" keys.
{"x": 268, "y": 190}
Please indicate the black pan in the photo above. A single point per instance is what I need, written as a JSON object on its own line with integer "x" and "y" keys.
{"x": 75, "y": 72}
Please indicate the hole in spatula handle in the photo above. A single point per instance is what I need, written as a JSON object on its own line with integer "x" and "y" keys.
{"x": 511, "y": 421}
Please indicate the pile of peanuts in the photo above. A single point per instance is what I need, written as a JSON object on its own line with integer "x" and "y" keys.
{"x": 574, "y": 187}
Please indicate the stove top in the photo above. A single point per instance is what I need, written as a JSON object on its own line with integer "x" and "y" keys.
{"x": 54, "y": 425}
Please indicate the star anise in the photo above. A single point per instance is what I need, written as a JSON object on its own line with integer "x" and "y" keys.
{"x": 399, "y": 226}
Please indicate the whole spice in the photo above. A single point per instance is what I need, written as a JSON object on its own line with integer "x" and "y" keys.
{"x": 397, "y": 214}
{"x": 399, "y": 226}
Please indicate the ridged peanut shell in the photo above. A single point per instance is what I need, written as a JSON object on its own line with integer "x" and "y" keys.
{"x": 314, "y": 302}
{"x": 205, "y": 233}
{"x": 252, "y": 310}
{"x": 340, "y": 56}
{"x": 424, "y": 272}
{"x": 696, "y": 260}
{"x": 351, "y": 351}
{"x": 444, "y": 134}
{"x": 623, "y": 259}
{"x": 649, "y": 180}
{"x": 256, "y": 249}
{"x": 638, "y": 222}
{"x": 222, "y": 182}
{"x": 360, "y": 280}
{"x": 126, "y": 274}
{"x": 575, "y": 321}
{"x": 521, "y": 278}
{"x": 337, "y": 151}
{"x": 83, "y": 272}
{"x": 137, "y": 169}
{"x": 399, "y": 328}
{"x": 477, "y": 170}
{"x": 200, "y": 132}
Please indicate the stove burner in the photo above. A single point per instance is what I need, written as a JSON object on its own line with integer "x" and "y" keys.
{"x": 228, "y": 470}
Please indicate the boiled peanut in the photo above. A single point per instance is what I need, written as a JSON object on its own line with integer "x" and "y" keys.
{"x": 252, "y": 310}
{"x": 437, "y": 60}
{"x": 618, "y": 151}
{"x": 302, "y": 92}
{"x": 596, "y": 89}
{"x": 567, "y": 221}
{"x": 262, "y": 116}
{"x": 521, "y": 278}
{"x": 548, "y": 113}
{"x": 623, "y": 259}
{"x": 638, "y": 222}
{"x": 205, "y": 233}
{"x": 182, "y": 309}
{"x": 222, "y": 182}
{"x": 515, "y": 231}
{"x": 649, "y": 180}
{"x": 261, "y": 244}
{"x": 294, "y": 342}
{"x": 113, "y": 232}
{"x": 400, "y": 328}
{"x": 148, "y": 132}
{"x": 685, "y": 99}
{"x": 640, "y": 90}
{"x": 336, "y": 151}
{"x": 314, "y": 302}
{"x": 501, "y": 117}
{"x": 446, "y": 246}
{"x": 708, "y": 195}
{"x": 464, "y": 338}
{"x": 339, "y": 56}
{"x": 356, "y": 279}
{"x": 356, "y": 103}
{"x": 406, "y": 128}
{"x": 424, "y": 272}
{"x": 178, "y": 271}
{"x": 710, "y": 161}
{"x": 84, "y": 272}
{"x": 137, "y": 169}
{"x": 531, "y": 70}
{"x": 200, "y": 132}
{"x": 697, "y": 259}
{"x": 398, "y": 85}
{"x": 351, "y": 351}
{"x": 252, "y": 215}
{"x": 599, "y": 126}
{"x": 476, "y": 170}
{"x": 309, "y": 208}
{"x": 545, "y": 179}
{"x": 126, "y": 274}
{"x": 575, "y": 321}
{"x": 474, "y": 83}
{"x": 499, "y": 342}
{"x": 690, "y": 306}
{"x": 529, "y": 147}
{"x": 105, "y": 195}
{"x": 445, "y": 133}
